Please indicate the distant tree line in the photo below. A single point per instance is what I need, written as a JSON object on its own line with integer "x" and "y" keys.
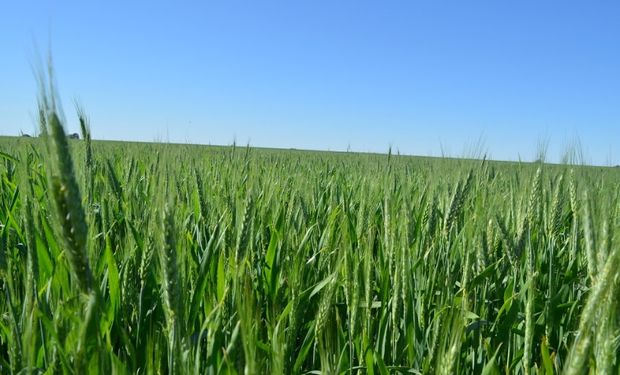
{"x": 69, "y": 136}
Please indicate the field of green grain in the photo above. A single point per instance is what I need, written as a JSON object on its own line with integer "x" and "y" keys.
{"x": 130, "y": 258}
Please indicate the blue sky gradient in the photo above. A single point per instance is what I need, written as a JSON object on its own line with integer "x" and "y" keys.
{"x": 428, "y": 78}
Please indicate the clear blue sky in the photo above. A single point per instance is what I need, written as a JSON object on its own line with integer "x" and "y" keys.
{"x": 420, "y": 76}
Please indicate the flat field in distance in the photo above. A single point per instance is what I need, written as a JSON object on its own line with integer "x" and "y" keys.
{"x": 151, "y": 258}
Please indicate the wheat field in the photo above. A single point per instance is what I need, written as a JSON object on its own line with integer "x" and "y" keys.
{"x": 130, "y": 258}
